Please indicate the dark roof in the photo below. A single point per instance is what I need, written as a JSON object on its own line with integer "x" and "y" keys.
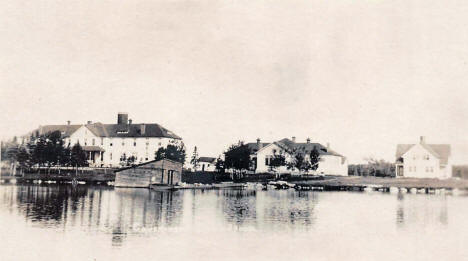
{"x": 253, "y": 146}
{"x": 146, "y": 163}
{"x": 289, "y": 145}
{"x": 66, "y": 130}
{"x": 440, "y": 151}
{"x": 307, "y": 147}
{"x": 115, "y": 130}
{"x": 207, "y": 159}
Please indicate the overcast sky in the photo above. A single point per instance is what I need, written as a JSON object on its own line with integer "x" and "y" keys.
{"x": 362, "y": 75}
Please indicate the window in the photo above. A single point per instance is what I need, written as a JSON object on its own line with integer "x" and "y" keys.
{"x": 110, "y": 144}
{"x": 426, "y": 157}
{"x": 134, "y": 143}
{"x": 102, "y": 141}
{"x": 110, "y": 154}
{"x": 93, "y": 142}
{"x": 85, "y": 142}
{"x": 123, "y": 142}
{"x": 266, "y": 161}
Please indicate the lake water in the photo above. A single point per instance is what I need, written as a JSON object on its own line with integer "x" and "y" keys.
{"x": 103, "y": 223}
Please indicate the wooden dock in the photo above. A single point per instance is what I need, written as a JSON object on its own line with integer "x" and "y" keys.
{"x": 393, "y": 185}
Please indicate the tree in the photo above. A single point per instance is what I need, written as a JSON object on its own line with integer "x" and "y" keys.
{"x": 78, "y": 156}
{"x": 172, "y": 152}
{"x": 195, "y": 160}
{"x": 380, "y": 167}
{"x": 23, "y": 158}
{"x": 219, "y": 165}
{"x": 314, "y": 158}
{"x": 237, "y": 157}
{"x": 276, "y": 161}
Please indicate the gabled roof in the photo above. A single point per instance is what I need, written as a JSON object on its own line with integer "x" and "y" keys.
{"x": 207, "y": 159}
{"x": 146, "y": 163}
{"x": 253, "y": 146}
{"x": 289, "y": 145}
{"x": 66, "y": 130}
{"x": 440, "y": 151}
{"x": 114, "y": 130}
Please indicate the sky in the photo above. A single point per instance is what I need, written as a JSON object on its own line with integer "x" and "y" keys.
{"x": 362, "y": 75}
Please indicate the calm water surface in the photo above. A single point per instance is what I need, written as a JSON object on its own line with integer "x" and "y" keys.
{"x": 102, "y": 223}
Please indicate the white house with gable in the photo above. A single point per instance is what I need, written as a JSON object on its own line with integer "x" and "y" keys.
{"x": 423, "y": 160}
{"x": 331, "y": 163}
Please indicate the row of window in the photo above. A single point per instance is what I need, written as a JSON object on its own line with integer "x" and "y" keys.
{"x": 428, "y": 169}
{"x": 425, "y": 157}
{"x": 93, "y": 142}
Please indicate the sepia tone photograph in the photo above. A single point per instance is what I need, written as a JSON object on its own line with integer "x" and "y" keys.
{"x": 234, "y": 130}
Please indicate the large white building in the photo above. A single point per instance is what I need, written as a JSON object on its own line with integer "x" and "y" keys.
{"x": 106, "y": 144}
{"x": 423, "y": 160}
{"x": 331, "y": 163}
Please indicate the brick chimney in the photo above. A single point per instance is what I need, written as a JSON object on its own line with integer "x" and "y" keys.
{"x": 130, "y": 121}
{"x": 422, "y": 140}
{"x": 308, "y": 140}
{"x": 294, "y": 139}
{"x": 122, "y": 118}
{"x": 89, "y": 122}
{"x": 259, "y": 144}
{"x": 68, "y": 123}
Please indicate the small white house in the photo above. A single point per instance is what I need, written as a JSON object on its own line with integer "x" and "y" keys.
{"x": 423, "y": 160}
{"x": 331, "y": 163}
{"x": 207, "y": 164}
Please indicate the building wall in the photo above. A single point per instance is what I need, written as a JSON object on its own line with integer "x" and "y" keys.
{"x": 333, "y": 165}
{"x": 329, "y": 164}
{"x": 151, "y": 173}
{"x": 207, "y": 166}
{"x": 420, "y": 163}
{"x": 142, "y": 148}
{"x": 267, "y": 152}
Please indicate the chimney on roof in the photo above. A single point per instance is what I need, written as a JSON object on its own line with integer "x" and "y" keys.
{"x": 130, "y": 121}
{"x": 89, "y": 122}
{"x": 308, "y": 140}
{"x": 259, "y": 144}
{"x": 328, "y": 145}
{"x": 294, "y": 139}
{"x": 68, "y": 122}
{"x": 422, "y": 140}
{"x": 122, "y": 118}
{"x": 142, "y": 129}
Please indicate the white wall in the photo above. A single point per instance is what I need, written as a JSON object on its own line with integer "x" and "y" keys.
{"x": 329, "y": 164}
{"x": 142, "y": 148}
{"x": 333, "y": 165}
{"x": 420, "y": 163}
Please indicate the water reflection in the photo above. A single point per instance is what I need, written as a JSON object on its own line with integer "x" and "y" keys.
{"x": 125, "y": 216}
{"x": 412, "y": 210}
{"x": 100, "y": 209}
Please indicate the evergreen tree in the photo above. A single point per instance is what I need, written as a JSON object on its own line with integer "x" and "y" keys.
{"x": 195, "y": 160}
{"x": 314, "y": 158}
{"x": 78, "y": 156}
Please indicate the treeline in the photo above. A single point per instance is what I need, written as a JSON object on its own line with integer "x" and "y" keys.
{"x": 374, "y": 167}
{"x": 44, "y": 151}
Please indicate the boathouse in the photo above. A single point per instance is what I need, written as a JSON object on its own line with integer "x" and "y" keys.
{"x": 156, "y": 172}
